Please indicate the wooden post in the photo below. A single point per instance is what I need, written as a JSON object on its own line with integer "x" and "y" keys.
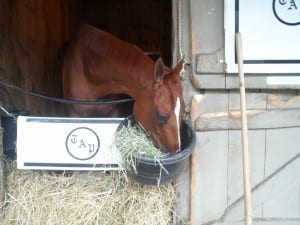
{"x": 193, "y": 116}
{"x": 246, "y": 161}
{"x": 2, "y": 192}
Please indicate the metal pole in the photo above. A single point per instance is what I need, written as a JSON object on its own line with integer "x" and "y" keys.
{"x": 246, "y": 161}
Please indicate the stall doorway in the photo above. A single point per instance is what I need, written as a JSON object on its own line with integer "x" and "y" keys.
{"x": 142, "y": 22}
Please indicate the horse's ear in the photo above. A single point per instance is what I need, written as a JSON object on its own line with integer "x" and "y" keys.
{"x": 179, "y": 67}
{"x": 159, "y": 70}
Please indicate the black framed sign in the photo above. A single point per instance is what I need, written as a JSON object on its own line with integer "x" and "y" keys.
{"x": 270, "y": 33}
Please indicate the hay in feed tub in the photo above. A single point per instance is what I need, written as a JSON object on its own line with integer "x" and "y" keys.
{"x": 41, "y": 198}
{"x": 133, "y": 142}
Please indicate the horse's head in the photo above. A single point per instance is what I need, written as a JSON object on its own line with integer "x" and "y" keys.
{"x": 161, "y": 112}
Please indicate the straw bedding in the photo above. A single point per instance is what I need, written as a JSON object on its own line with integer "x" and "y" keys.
{"x": 42, "y": 198}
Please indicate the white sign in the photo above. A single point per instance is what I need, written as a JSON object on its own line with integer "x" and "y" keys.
{"x": 270, "y": 35}
{"x": 67, "y": 143}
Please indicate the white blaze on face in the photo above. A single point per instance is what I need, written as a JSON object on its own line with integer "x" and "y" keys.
{"x": 177, "y": 114}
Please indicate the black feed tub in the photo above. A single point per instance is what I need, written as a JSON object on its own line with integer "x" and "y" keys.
{"x": 149, "y": 172}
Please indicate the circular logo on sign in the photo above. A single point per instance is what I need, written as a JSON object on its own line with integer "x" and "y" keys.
{"x": 287, "y": 11}
{"x": 82, "y": 143}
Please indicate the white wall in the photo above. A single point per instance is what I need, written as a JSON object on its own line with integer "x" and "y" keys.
{"x": 216, "y": 169}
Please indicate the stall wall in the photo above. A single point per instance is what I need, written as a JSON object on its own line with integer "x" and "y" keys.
{"x": 273, "y": 120}
{"x": 31, "y": 32}
{"x": 145, "y": 23}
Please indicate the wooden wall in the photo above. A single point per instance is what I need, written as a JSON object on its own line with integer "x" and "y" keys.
{"x": 273, "y": 120}
{"x": 33, "y": 31}
{"x": 145, "y": 23}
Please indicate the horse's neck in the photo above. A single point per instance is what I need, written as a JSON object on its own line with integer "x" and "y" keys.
{"x": 123, "y": 66}
{"x": 135, "y": 67}
{"x": 132, "y": 74}
{"x": 132, "y": 79}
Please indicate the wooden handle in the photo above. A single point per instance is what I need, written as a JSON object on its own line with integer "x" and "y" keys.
{"x": 196, "y": 100}
{"x": 2, "y": 167}
{"x": 246, "y": 161}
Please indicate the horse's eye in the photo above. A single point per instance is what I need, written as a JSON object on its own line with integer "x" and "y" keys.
{"x": 162, "y": 119}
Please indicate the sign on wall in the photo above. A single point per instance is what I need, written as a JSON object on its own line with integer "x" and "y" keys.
{"x": 53, "y": 143}
{"x": 270, "y": 35}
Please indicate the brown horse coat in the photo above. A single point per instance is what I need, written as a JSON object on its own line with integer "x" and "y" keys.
{"x": 98, "y": 66}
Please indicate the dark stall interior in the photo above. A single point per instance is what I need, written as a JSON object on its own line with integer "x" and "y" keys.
{"x": 32, "y": 33}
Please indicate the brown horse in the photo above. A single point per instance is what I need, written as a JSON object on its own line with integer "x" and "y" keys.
{"x": 99, "y": 66}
